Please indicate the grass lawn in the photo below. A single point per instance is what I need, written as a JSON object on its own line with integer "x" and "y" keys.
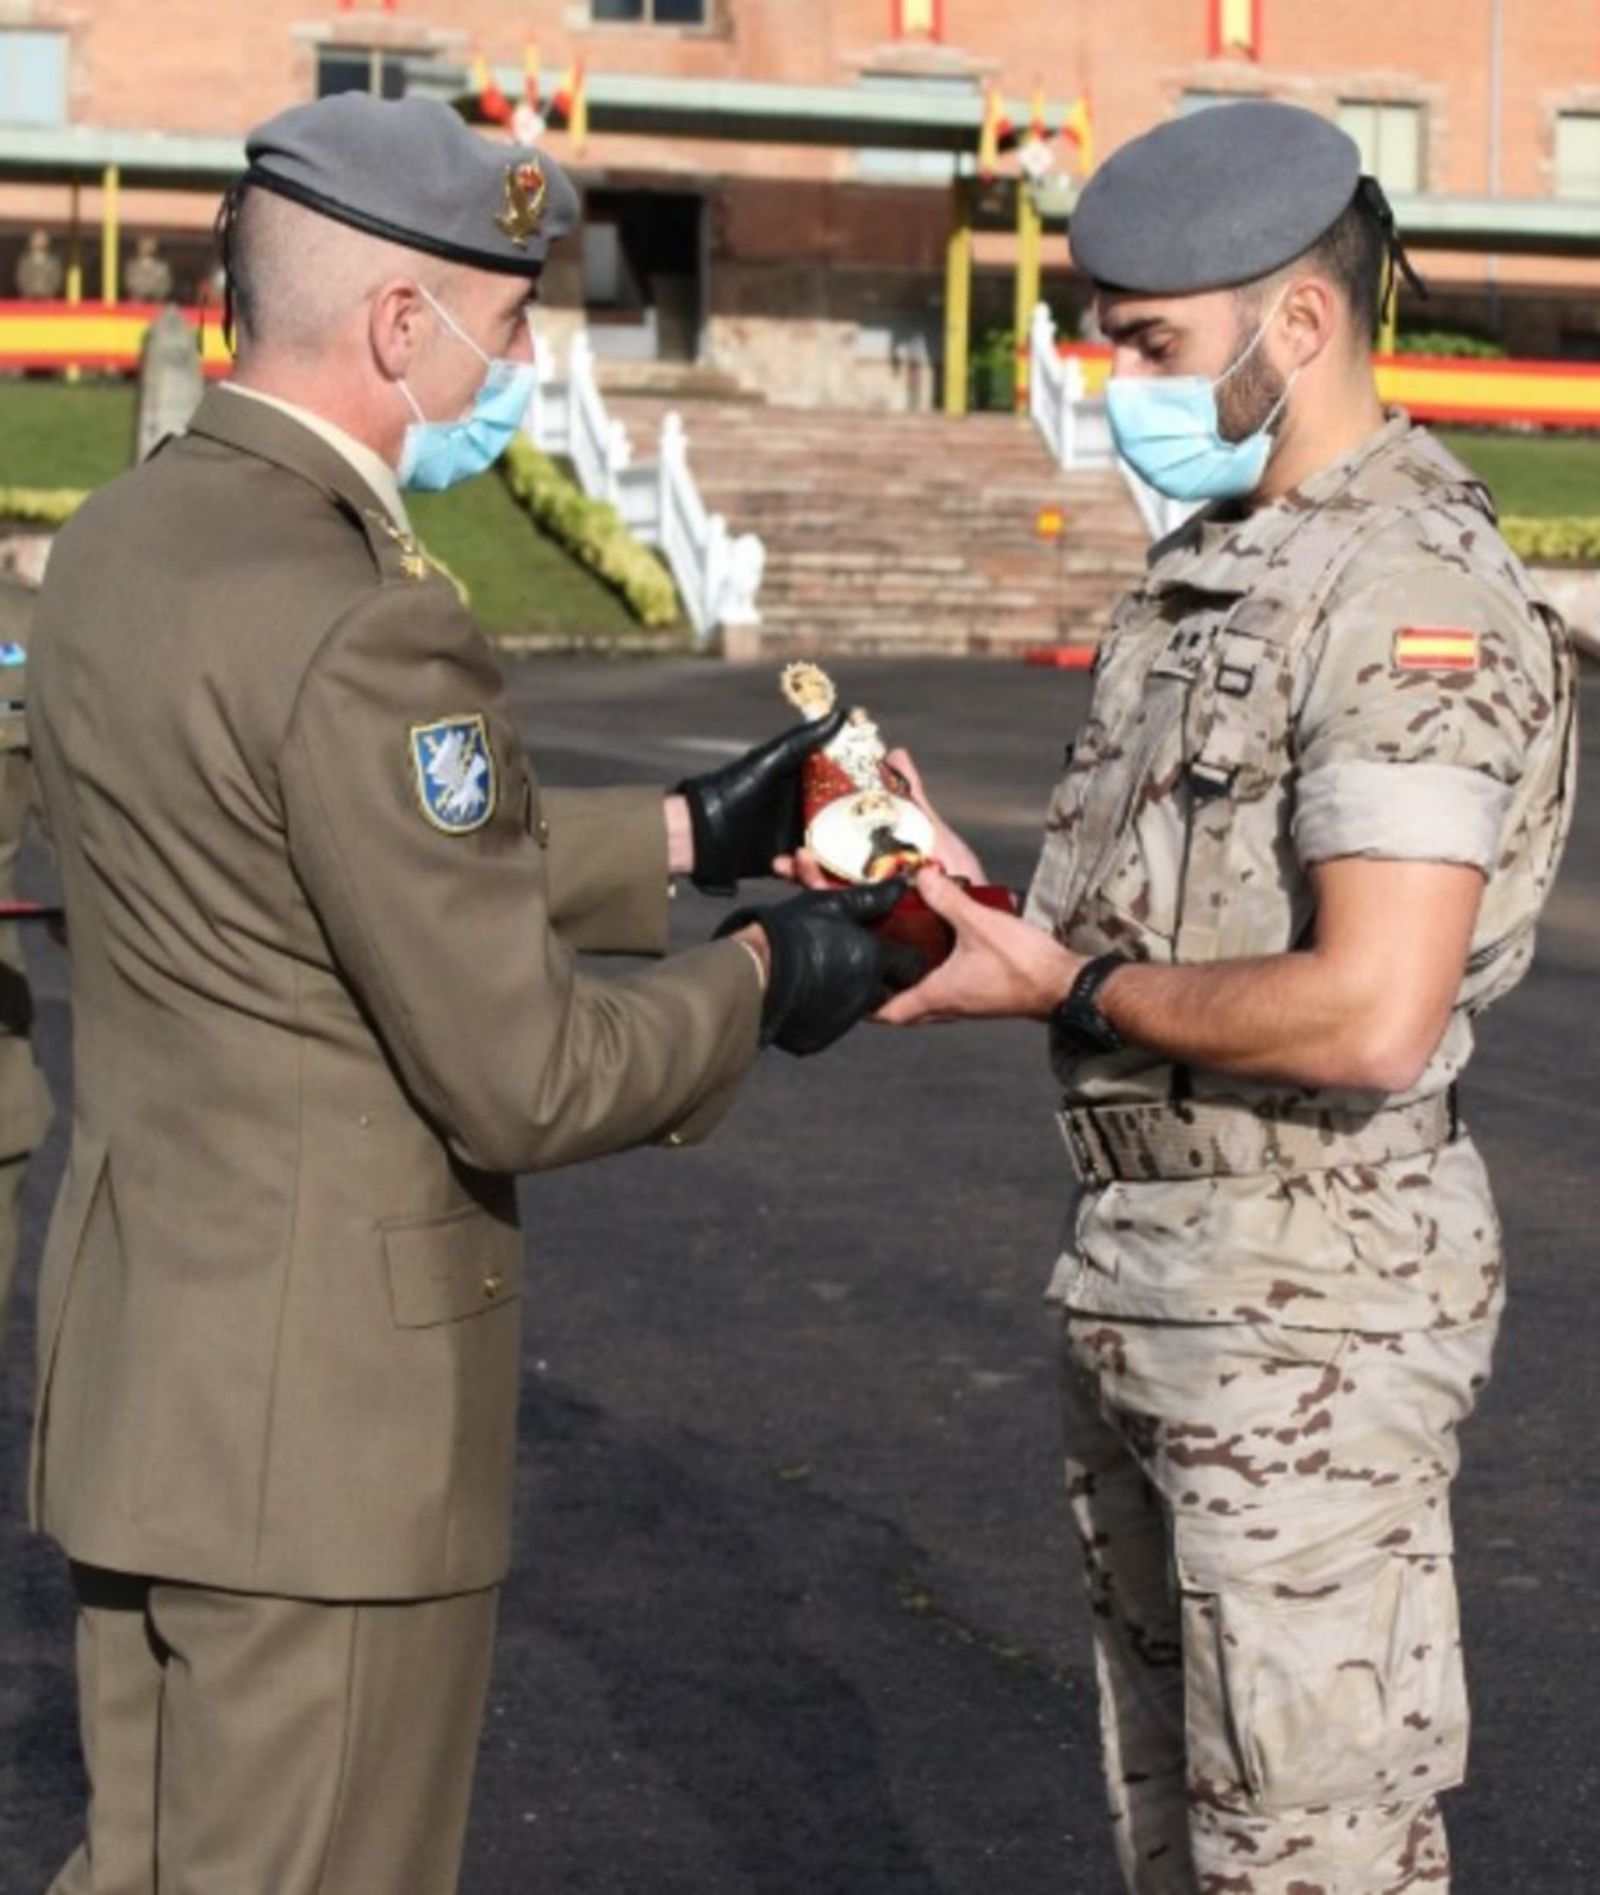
{"x": 56, "y": 435}
{"x": 521, "y": 581}
{"x": 1532, "y": 474}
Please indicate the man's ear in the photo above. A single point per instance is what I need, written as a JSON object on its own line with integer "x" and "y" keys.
{"x": 394, "y": 326}
{"x": 1308, "y": 317}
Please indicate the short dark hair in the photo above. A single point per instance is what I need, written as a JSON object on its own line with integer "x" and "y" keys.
{"x": 1354, "y": 251}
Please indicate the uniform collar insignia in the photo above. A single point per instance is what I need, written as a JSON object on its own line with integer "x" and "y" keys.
{"x": 455, "y": 775}
{"x": 523, "y": 209}
{"x": 413, "y": 561}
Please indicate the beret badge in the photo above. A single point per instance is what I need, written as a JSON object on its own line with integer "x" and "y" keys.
{"x": 526, "y": 190}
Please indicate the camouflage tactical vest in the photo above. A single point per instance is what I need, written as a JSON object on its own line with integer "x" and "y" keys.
{"x": 1170, "y": 833}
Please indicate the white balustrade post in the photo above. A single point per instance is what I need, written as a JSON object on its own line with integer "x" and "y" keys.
{"x": 714, "y": 575}
{"x": 1072, "y": 390}
{"x": 578, "y": 360}
{"x": 673, "y": 462}
{"x": 747, "y": 565}
{"x": 1043, "y": 364}
{"x": 618, "y": 454}
{"x": 535, "y": 424}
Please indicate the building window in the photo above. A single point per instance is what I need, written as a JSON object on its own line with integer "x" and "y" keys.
{"x": 1390, "y": 141}
{"x": 917, "y": 19}
{"x": 1578, "y": 154}
{"x": 650, "y": 12}
{"x": 33, "y": 77}
{"x": 355, "y": 68}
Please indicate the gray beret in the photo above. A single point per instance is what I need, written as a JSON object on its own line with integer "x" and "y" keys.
{"x": 412, "y": 171}
{"x": 1222, "y": 196}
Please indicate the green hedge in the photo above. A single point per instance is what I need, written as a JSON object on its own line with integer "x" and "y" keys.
{"x": 1572, "y": 537}
{"x": 40, "y": 506}
{"x": 1449, "y": 342}
{"x": 592, "y": 532}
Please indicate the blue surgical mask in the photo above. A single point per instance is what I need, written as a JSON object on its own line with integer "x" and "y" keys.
{"x": 1166, "y": 428}
{"x": 438, "y": 454}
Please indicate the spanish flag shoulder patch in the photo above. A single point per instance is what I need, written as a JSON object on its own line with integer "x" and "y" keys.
{"x": 1435, "y": 648}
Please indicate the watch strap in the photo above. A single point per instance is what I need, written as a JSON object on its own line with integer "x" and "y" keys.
{"x": 1079, "y": 1017}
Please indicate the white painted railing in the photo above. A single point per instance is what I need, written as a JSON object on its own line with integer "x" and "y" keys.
{"x": 717, "y": 575}
{"x": 1075, "y": 429}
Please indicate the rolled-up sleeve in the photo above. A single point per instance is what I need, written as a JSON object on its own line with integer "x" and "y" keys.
{"x": 1424, "y": 699}
{"x": 1410, "y": 812}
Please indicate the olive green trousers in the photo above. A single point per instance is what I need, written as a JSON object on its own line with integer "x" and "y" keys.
{"x": 241, "y": 1745}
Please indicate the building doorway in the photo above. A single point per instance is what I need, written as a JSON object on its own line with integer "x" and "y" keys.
{"x": 644, "y": 274}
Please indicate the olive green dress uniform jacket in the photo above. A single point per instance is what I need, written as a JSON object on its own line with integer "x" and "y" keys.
{"x": 316, "y": 1034}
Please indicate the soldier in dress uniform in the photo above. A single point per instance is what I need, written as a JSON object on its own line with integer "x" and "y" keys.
{"x": 326, "y": 1006}
{"x": 1301, "y": 843}
{"x": 148, "y": 277}
{"x": 40, "y": 272}
{"x": 24, "y": 1100}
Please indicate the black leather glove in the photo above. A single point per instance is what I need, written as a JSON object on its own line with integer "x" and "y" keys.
{"x": 828, "y": 971}
{"x": 749, "y": 811}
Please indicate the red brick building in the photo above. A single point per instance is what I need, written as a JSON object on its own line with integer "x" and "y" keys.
{"x": 810, "y": 263}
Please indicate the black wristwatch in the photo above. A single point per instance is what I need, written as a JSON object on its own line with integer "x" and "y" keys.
{"x": 1078, "y": 1020}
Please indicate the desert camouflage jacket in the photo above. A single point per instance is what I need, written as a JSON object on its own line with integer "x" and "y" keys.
{"x": 1360, "y": 669}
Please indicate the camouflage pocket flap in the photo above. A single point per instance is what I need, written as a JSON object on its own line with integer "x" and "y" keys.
{"x": 1345, "y": 1692}
{"x": 1283, "y": 1552}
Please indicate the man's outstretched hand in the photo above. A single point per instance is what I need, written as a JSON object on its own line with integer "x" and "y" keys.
{"x": 826, "y": 970}
{"x": 1000, "y": 968}
{"x": 749, "y": 812}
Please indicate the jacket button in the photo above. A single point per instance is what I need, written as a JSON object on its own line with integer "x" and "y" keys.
{"x": 492, "y": 1286}
{"x": 674, "y": 1139}
{"x": 541, "y": 833}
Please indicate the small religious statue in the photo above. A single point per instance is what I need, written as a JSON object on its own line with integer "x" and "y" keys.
{"x": 860, "y": 821}
{"x": 860, "y": 825}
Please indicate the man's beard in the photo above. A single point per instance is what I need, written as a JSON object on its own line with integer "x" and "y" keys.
{"x": 1246, "y": 400}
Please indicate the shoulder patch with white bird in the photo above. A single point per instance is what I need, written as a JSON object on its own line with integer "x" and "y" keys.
{"x": 455, "y": 774}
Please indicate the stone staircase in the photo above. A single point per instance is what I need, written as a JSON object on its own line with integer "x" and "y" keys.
{"x": 905, "y": 533}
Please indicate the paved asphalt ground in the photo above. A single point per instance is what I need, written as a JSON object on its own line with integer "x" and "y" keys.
{"x": 795, "y": 1607}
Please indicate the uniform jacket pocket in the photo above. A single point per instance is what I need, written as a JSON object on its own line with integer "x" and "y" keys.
{"x": 446, "y": 1269}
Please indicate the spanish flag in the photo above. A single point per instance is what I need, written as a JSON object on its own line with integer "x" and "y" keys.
{"x": 1078, "y": 130}
{"x": 997, "y": 131}
{"x": 919, "y": 19}
{"x": 1435, "y": 648}
{"x": 1235, "y": 28}
{"x": 572, "y": 102}
{"x": 492, "y": 102}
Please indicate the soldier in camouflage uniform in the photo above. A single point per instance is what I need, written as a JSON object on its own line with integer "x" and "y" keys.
{"x": 1300, "y": 844}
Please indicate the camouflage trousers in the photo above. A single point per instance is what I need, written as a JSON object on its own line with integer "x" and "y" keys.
{"x": 1264, "y": 1514}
